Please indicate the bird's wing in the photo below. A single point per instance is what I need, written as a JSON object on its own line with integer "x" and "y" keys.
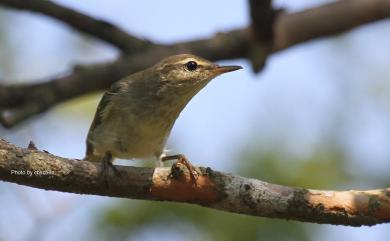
{"x": 105, "y": 107}
{"x": 103, "y": 112}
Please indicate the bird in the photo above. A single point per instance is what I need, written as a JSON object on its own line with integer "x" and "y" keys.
{"x": 136, "y": 114}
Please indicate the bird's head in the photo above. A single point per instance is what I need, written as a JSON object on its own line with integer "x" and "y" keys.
{"x": 187, "y": 70}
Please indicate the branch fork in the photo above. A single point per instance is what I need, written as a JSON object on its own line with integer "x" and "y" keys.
{"x": 270, "y": 31}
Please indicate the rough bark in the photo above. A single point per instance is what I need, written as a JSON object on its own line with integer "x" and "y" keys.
{"x": 217, "y": 190}
{"x": 19, "y": 102}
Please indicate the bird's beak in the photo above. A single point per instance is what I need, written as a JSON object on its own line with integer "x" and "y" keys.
{"x": 225, "y": 69}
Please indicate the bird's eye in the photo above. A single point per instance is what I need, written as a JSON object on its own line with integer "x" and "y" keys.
{"x": 191, "y": 65}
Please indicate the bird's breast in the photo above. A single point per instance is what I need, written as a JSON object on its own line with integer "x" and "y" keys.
{"x": 142, "y": 135}
{"x": 138, "y": 128}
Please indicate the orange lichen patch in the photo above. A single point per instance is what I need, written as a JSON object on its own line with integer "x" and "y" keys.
{"x": 375, "y": 203}
{"x": 183, "y": 189}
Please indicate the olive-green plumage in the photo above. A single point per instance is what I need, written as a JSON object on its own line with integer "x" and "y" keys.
{"x": 136, "y": 115}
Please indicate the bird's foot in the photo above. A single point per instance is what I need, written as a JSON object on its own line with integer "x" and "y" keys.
{"x": 106, "y": 166}
{"x": 32, "y": 146}
{"x": 181, "y": 159}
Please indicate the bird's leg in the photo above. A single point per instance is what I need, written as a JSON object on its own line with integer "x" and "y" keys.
{"x": 183, "y": 160}
{"x": 159, "y": 160}
{"x": 106, "y": 164}
{"x": 104, "y": 172}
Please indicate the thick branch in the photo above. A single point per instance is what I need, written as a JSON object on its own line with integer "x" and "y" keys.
{"x": 97, "y": 28}
{"x": 214, "y": 189}
{"x": 20, "y": 102}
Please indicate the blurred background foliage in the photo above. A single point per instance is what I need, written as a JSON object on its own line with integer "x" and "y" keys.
{"x": 318, "y": 116}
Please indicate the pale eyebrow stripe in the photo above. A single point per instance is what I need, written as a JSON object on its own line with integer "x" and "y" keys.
{"x": 188, "y": 60}
{"x": 199, "y": 62}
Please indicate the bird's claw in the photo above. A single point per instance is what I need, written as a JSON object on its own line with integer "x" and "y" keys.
{"x": 182, "y": 160}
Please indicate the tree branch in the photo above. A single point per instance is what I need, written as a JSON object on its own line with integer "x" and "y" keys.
{"x": 262, "y": 25}
{"x": 19, "y": 102}
{"x": 327, "y": 20}
{"x": 217, "y": 190}
{"x": 97, "y": 28}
